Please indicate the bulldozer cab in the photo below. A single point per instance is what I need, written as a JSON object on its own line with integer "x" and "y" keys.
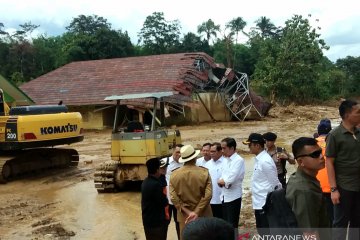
{"x": 136, "y": 125}
{"x": 136, "y": 144}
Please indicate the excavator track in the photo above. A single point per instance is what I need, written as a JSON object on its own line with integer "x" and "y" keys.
{"x": 16, "y": 163}
{"x": 105, "y": 176}
{"x": 4, "y": 169}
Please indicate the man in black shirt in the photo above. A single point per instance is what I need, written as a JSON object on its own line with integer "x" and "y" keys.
{"x": 153, "y": 202}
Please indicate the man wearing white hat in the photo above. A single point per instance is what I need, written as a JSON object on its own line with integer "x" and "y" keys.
{"x": 190, "y": 188}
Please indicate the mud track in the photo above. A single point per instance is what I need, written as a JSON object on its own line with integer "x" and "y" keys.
{"x": 63, "y": 204}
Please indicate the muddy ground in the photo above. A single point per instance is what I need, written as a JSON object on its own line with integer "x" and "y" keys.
{"x": 63, "y": 204}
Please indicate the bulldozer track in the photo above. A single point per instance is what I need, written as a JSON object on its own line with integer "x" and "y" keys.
{"x": 104, "y": 176}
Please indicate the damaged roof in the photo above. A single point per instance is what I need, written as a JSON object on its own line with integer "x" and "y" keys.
{"x": 90, "y": 82}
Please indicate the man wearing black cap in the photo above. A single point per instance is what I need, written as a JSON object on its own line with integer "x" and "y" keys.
{"x": 264, "y": 180}
{"x": 153, "y": 203}
{"x": 279, "y": 155}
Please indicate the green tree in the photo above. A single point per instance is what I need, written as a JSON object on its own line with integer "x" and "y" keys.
{"x": 209, "y": 28}
{"x": 158, "y": 35}
{"x": 87, "y": 25}
{"x": 236, "y": 25}
{"x": 4, "y": 53}
{"x": 265, "y": 27}
{"x": 4, "y": 64}
{"x": 48, "y": 54}
{"x": 20, "y": 53}
{"x": 351, "y": 67}
{"x": 2, "y": 32}
{"x": 17, "y": 78}
{"x": 291, "y": 71}
{"x": 91, "y": 38}
{"x": 331, "y": 84}
{"x": 244, "y": 61}
{"x": 223, "y": 51}
{"x": 193, "y": 43}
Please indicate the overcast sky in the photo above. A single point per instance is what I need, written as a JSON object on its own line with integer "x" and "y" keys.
{"x": 339, "y": 20}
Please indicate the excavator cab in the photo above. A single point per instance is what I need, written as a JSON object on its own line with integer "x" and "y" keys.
{"x": 131, "y": 148}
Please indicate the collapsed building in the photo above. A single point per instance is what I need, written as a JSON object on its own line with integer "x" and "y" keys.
{"x": 203, "y": 90}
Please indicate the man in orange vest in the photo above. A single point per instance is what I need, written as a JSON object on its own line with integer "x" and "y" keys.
{"x": 324, "y": 128}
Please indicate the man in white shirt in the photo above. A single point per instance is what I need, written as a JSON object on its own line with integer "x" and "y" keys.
{"x": 215, "y": 169}
{"x": 264, "y": 180}
{"x": 231, "y": 182}
{"x": 205, "y": 152}
{"x": 173, "y": 164}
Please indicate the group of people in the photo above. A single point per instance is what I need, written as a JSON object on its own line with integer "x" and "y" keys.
{"x": 192, "y": 190}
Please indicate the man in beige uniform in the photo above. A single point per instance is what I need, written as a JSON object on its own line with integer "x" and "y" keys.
{"x": 190, "y": 188}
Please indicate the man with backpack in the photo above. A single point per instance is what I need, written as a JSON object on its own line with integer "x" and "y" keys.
{"x": 303, "y": 192}
{"x": 279, "y": 155}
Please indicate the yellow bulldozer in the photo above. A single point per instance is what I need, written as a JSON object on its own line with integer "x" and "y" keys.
{"x": 29, "y": 133}
{"x": 132, "y": 146}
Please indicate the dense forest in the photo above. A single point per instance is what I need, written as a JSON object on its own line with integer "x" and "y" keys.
{"x": 285, "y": 64}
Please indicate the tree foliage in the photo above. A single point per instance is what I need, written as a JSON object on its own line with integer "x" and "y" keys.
{"x": 17, "y": 53}
{"x": 351, "y": 82}
{"x": 159, "y": 35}
{"x": 88, "y": 25}
{"x": 91, "y": 37}
{"x": 2, "y": 32}
{"x": 209, "y": 28}
{"x": 236, "y": 25}
{"x": 48, "y": 54}
{"x": 265, "y": 27}
{"x": 193, "y": 43}
{"x": 292, "y": 70}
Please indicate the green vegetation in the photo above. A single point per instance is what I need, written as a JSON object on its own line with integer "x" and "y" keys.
{"x": 285, "y": 64}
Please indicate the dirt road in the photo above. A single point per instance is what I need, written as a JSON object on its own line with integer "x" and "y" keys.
{"x": 63, "y": 204}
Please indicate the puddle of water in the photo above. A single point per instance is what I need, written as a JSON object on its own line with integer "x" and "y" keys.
{"x": 102, "y": 216}
{"x": 98, "y": 216}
